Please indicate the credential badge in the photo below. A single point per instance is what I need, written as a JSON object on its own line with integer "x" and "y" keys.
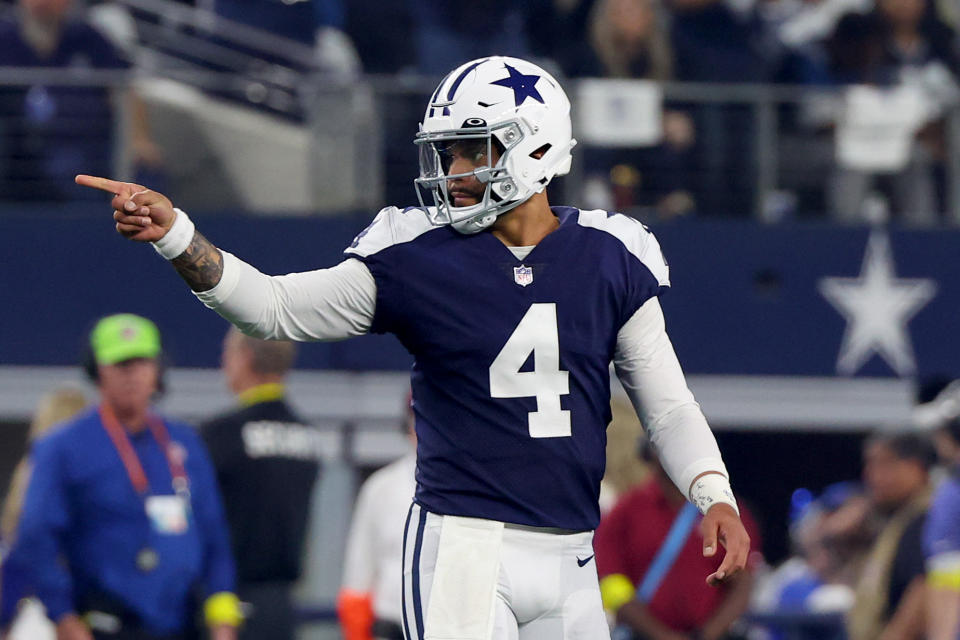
{"x": 523, "y": 275}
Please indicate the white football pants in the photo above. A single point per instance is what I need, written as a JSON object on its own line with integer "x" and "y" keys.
{"x": 475, "y": 579}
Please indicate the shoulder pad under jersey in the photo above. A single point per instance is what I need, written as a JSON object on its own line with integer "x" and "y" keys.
{"x": 392, "y": 226}
{"x": 635, "y": 237}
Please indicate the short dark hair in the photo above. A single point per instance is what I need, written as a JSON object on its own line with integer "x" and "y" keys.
{"x": 270, "y": 357}
{"x": 907, "y": 445}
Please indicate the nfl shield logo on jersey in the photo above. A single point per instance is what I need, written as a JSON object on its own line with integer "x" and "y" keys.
{"x": 523, "y": 275}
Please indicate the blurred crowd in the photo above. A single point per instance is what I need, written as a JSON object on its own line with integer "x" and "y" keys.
{"x": 866, "y": 137}
{"x": 122, "y": 524}
{"x": 874, "y": 557}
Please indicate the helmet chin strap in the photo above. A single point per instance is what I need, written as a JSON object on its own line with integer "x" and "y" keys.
{"x": 474, "y": 225}
{"x": 483, "y": 220}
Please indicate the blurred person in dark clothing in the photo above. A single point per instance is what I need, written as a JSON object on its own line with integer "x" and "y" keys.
{"x": 942, "y": 541}
{"x": 899, "y": 47}
{"x": 266, "y": 459}
{"x": 890, "y": 601}
{"x": 316, "y": 23}
{"x": 48, "y": 132}
{"x": 122, "y": 524}
{"x": 381, "y": 33}
{"x": 448, "y": 34}
{"x": 629, "y": 39}
{"x": 556, "y": 29}
{"x": 939, "y": 412}
{"x": 714, "y": 43}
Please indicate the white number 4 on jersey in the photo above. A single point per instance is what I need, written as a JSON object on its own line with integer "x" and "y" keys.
{"x": 536, "y": 332}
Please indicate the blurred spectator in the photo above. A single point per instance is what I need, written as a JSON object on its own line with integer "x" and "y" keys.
{"x": 889, "y": 129}
{"x": 942, "y": 532}
{"x": 48, "y": 132}
{"x": 889, "y": 602}
{"x": 369, "y": 603}
{"x": 448, "y": 34}
{"x": 653, "y": 596}
{"x": 266, "y": 460}
{"x": 30, "y": 624}
{"x": 556, "y": 29}
{"x": 714, "y": 43}
{"x": 628, "y": 39}
{"x": 827, "y": 555}
{"x": 381, "y": 33}
{"x": 937, "y": 411}
{"x": 53, "y": 408}
{"x": 802, "y": 24}
{"x": 317, "y": 23}
{"x": 122, "y": 523}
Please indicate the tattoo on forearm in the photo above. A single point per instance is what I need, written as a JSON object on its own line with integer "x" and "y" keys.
{"x": 201, "y": 265}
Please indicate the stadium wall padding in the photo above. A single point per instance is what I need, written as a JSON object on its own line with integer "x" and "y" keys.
{"x": 745, "y": 297}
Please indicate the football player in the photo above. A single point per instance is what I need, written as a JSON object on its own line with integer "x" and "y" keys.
{"x": 513, "y": 310}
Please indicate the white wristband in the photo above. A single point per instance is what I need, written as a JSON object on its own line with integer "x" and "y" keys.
{"x": 710, "y": 489}
{"x": 177, "y": 238}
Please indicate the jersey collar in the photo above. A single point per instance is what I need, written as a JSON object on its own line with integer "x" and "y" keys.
{"x": 269, "y": 392}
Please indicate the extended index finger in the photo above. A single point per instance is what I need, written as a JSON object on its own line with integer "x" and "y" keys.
{"x": 96, "y": 182}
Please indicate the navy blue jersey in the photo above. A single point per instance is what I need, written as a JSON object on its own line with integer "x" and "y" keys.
{"x": 511, "y": 384}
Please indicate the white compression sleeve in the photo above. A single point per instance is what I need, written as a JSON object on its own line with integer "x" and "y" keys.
{"x": 326, "y": 304}
{"x": 647, "y": 366}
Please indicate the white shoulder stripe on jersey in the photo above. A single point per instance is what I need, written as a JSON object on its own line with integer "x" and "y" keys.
{"x": 637, "y": 239}
{"x": 391, "y": 226}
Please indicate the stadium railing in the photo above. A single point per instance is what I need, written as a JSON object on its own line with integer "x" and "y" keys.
{"x": 347, "y": 144}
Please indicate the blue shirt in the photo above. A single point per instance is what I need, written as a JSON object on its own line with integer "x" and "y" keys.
{"x": 83, "y": 525}
{"x": 941, "y": 535}
{"x": 942, "y": 531}
{"x": 511, "y": 384}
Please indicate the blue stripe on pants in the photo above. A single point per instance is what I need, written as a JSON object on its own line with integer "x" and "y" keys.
{"x": 417, "y": 605}
{"x": 403, "y": 571}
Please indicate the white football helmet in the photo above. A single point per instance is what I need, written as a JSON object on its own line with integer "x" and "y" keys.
{"x": 501, "y": 102}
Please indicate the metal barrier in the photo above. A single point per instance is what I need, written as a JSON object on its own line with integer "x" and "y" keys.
{"x": 799, "y": 626}
{"x": 749, "y": 155}
{"x": 786, "y": 626}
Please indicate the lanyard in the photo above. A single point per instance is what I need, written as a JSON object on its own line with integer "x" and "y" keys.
{"x": 131, "y": 462}
{"x": 668, "y": 552}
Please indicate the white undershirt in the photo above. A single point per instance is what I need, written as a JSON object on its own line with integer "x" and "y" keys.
{"x": 521, "y": 253}
{"x": 339, "y": 302}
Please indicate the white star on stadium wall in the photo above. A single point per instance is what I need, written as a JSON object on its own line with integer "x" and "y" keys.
{"x": 877, "y": 306}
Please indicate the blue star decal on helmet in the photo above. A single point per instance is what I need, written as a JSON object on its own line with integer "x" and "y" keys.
{"x": 524, "y": 86}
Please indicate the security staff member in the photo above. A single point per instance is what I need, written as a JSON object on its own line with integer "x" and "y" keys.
{"x": 122, "y": 523}
{"x": 266, "y": 461}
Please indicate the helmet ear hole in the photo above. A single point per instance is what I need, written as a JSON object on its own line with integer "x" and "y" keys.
{"x": 540, "y": 151}
{"x": 498, "y": 145}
